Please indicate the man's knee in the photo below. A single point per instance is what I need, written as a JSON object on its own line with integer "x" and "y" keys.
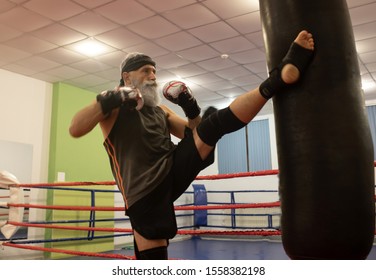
{"x": 219, "y": 123}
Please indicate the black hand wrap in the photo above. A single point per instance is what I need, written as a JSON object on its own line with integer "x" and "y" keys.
{"x": 189, "y": 105}
{"x": 109, "y": 100}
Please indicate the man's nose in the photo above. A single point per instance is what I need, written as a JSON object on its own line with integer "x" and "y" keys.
{"x": 152, "y": 76}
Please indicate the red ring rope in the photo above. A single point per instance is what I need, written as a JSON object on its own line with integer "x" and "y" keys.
{"x": 70, "y": 252}
{"x": 178, "y": 208}
{"x": 110, "y": 183}
{"x": 182, "y": 232}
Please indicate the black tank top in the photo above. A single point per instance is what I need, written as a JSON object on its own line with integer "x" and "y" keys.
{"x": 140, "y": 150}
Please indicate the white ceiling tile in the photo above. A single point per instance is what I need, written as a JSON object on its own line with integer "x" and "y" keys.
{"x": 256, "y": 38}
{"x": 216, "y": 64}
{"x": 90, "y": 66}
{"x": 164, "y": 76}
{"x": 114, "y": 58}
{"x": 6, "y": 6}
{"x": 153, "y": 27}
{"x": 368, "y": 57}
{"x": 90, "y": 23}
{"x": 363, "y": 14}
{"x": 233, "y": 45}
{"x": 257, "y": 67}
{"x": 233, "y": 8}
{"x": 170, "y": 61}
{"x": 30, "y": 44}
{"x": 120, "y": 38}
{"x": 178, "y": 41}
{"x": 202, "y": 52}
{"x": 88, "y": 80}
{"x": 101, "y": 87}
{"x": 30, "y": 20}
{"x": 191, "y": 16}
{"x": 63, "y": 56}
{"x": 105, "y": 48}
{"x": 92, "y": 3}
{"x": 214, "y": 32}
{"x": 47, "y": 77}
{"x": 208, "y": 96}
{"x": 231, "y": 92}
{"x": 59, "y": 34}
{"x": 362, "y": 68}
{"x": 166, "y": 5}
{"x": 9, "y": 54}
{"x": 246, "y": 80}
{"x": 371, "y": 67}
{"x": 248, "y": 56}
{"x": 110, "y": 74}
{"x": 218, "y": 85}
{"x": 365, "y": 31}
{"x": 355, "y": 3}
{"x": 55, "y": 10}
{"x": 373, "y": 74}
{"x": 232, "y": 72}
{"x": 365, "y": 46}
{"x": 7, "y": 33}
{"x": 66, "y": 72}
{"x": 2, "y": 63}
{"x": 124, "y": 12}
{"x": 149, "y": 48}
{"x": 27, "y": 71}
{"x": 38, "y": 64}
{"x": 246, "y": 23}
{"x": 204, "y": 79}
{"x": 18, "y": 1}
{"x": 189, "y": 70}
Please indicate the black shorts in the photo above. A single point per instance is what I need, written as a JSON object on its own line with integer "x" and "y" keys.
{"x": 153, "y": 216}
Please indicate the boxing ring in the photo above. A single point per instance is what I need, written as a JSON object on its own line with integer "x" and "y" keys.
{"x": 219, "y": 217}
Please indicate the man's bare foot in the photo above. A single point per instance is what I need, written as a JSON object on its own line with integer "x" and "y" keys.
{"x": 290, "y": 74}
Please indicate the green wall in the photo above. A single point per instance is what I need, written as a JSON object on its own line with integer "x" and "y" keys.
{"x": 81, "y": 159}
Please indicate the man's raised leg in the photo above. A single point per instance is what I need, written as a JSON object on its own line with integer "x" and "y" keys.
{"x": 245, "y": 107}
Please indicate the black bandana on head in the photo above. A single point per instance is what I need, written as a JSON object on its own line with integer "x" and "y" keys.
{"x": 135, "y": 63}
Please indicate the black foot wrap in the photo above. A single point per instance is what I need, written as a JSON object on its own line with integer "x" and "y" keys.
{"x": 136, "y": 251}
{"x": 159, "y": 253}
{"x": 217, "y": 124}
{"x": 299, "y": 57}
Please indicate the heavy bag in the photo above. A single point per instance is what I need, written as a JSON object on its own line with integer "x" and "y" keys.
{"x": 324, "y": 143}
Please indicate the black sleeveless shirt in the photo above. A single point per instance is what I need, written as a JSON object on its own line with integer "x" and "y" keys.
{"x": 140, "y": 150}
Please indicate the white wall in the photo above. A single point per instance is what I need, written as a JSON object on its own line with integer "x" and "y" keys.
{"x": 25, "y": 113}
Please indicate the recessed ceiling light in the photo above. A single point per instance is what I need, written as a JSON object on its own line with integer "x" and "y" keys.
{"x": 368, "y": 85}
{"x": 90, "y": 47}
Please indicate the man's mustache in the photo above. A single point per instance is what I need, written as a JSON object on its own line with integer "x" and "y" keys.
{"x": 150, "y": 84}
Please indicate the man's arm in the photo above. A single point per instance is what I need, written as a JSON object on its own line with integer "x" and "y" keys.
{"x": 101, "y": 111}
{"x": 176, "y": 124}
{"x": 86, "y": 119}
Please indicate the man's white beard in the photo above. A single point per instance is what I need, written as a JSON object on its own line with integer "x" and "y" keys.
{"x": 149, "y": 93}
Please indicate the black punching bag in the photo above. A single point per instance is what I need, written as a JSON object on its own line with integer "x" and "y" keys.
{"x": 324, "y": 144}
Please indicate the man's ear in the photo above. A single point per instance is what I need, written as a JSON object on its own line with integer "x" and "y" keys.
{"x": 125, "y": 76}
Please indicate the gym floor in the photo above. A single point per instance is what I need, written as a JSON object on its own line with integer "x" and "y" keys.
{"x": 227, "y": 249}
